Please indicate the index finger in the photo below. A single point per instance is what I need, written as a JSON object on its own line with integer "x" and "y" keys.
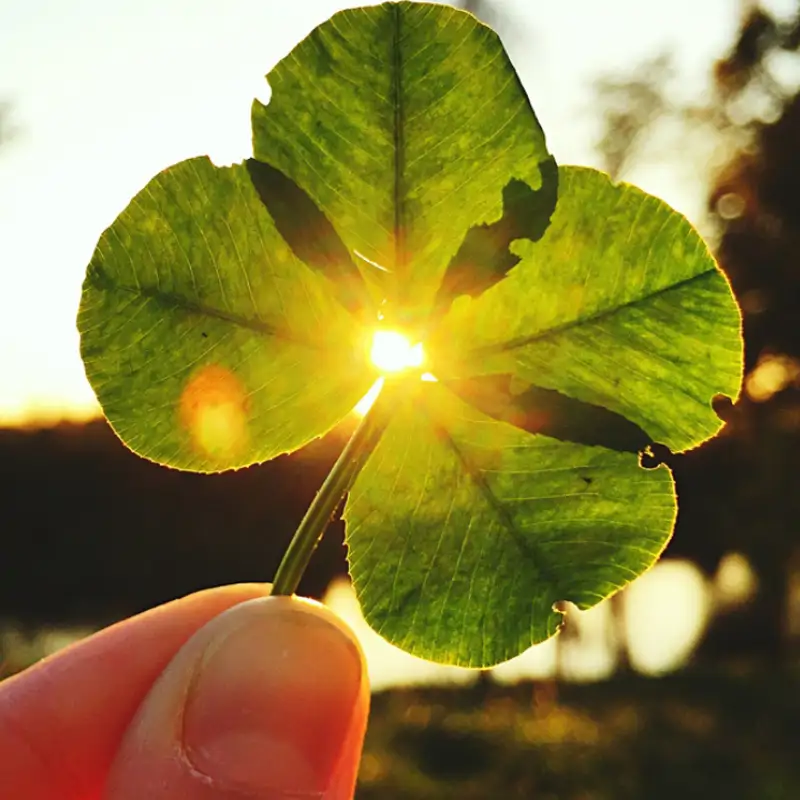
{"x": 62, "y": 720}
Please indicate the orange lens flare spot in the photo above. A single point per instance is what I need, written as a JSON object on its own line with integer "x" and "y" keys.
{"x": 213, "y": 409}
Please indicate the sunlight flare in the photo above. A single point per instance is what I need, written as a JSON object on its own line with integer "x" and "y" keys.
{"x": 365, "y": 403}
{"x": 393, "y": 352}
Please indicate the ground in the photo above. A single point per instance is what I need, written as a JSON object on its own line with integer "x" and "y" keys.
{"x": 732, "y": 734}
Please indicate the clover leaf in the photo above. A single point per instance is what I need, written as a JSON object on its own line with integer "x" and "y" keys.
{"x": 563, "y": 325}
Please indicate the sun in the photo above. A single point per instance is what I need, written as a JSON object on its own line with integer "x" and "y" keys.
{"x": 393, "y": 352}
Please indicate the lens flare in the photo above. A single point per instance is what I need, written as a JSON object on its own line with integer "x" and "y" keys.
{"x": 392, "y": 352}
{"x": 214, "y": 411}
{"x": 367, "y": 401}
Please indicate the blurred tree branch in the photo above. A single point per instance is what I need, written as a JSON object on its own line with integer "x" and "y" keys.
{"x": 630, "y": 107}
{"x": 747, "y": 94}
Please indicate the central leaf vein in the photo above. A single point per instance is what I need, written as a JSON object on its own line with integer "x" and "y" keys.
{"x": 522, "y": 341}
{"x": 180, "y": 303}
{"x": 397, "y": 98}
{"x": 506, "y": 520}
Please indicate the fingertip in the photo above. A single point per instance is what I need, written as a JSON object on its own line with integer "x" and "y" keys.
{"x": 269, "y": 700}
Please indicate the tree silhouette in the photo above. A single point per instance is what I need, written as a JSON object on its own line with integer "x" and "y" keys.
{"x": 739, "y": 492}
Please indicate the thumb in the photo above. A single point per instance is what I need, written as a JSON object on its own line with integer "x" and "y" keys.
{"x": 269, "y": 700}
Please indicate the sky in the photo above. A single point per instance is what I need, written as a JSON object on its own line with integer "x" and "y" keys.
{"x": 105, "y": 93}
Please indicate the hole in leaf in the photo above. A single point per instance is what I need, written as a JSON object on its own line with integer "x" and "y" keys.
{"x": 484, "y": 257}
{"x": 654, "y": 455}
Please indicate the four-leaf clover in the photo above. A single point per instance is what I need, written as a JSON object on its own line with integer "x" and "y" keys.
{"x": 401, "y": 184}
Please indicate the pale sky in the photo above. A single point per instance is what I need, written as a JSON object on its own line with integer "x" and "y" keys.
{"x": 106, "y": 93}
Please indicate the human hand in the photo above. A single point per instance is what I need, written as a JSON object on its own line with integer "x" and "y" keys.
{"x": 224, "y": 695}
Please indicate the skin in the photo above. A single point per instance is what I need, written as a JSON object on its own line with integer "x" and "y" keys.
{"x": 226, "y": 694}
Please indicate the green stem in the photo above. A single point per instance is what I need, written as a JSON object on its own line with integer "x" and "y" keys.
{"x": 339, "y": 481}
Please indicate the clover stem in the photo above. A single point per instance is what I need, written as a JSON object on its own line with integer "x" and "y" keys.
{"x": 339, "y": 481}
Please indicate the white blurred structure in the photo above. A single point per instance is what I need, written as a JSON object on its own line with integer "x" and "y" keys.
{"x": 665, "y": 613}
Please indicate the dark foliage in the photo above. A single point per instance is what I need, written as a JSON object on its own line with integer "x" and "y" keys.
{"x": 91, "y": 532}
{"x": 695, "y": 736}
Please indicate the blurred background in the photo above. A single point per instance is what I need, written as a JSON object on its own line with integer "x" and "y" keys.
{"x": 687, "y": 681}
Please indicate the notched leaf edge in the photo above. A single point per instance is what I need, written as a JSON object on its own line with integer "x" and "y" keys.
{"x": 484, "y": 257}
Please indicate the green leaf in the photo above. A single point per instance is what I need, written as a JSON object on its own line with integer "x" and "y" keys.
{"x": 484, "y": 257}
{"x": 464, "y": 531}
{"x": 400, "y": 175}
{"x": 404, "y": 123}
{"x": 310, "y": 235}
{"x": 551, "y": 413}
{"x": 619, "y": 305}
{"x": 365, "y": 156}
{"x": 615, "y": 329}
{"x": 209, "y": 344}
